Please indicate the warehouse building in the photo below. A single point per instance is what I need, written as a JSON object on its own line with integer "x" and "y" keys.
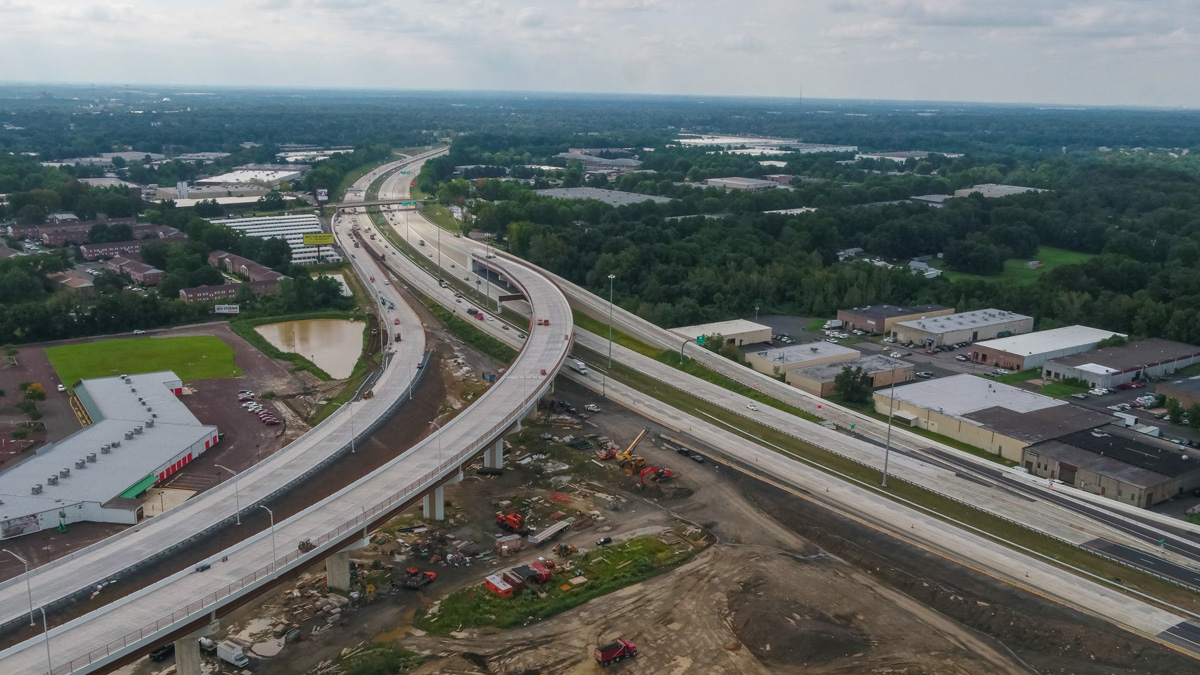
{"x": 819, "y": 380}
{"x": 744, "y": 184}
{"x": 1185, "y": 391}
{"x": 1115, "y": 366}
{"x": 988, "y": 415}
{"x": 610, "y": 197}
{"x": 882, "y": 319}
{"x": 291, "y": 229}
{"x": 265, "y": 177}
{"x": 141, "y": 434}
{"x": 1117, "y": 463}
{"x": 736, "y": 332}
{"x": 981, "y": 324}
{"x": 994, "y": 190}
{"x": 783, "y": 360}
{"x": 1024, "y": 352}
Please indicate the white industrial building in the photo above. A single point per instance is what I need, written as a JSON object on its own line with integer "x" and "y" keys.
{"x": 737, "y": 331}
{"x": 981, "y": 324}
{"x": 1023, "y": 352}
{"x": 272, "y": 177}
{"x": 140, "y": 435}
{"x": 291, "y": 229}
{"x": 739, "y": 183}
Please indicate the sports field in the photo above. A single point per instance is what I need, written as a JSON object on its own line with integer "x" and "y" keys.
{"x": 1015, "y": 270}
{"x": 191, "y": 358}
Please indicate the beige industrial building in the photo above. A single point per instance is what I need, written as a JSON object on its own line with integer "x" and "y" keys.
{"x": 988, "y": 415}
{"x": 1117, "y": 463}
{"x": 819, "y": 380}
{"x": 995, "y": 190}
{"x": 881, "y": 319}
{"x": 1023, "y": 352}
{"x": 736, "y": 332}
{"x": 783, "y": 360}
{"x": 981, "y": 324}
{"x": 1114, "y": 366}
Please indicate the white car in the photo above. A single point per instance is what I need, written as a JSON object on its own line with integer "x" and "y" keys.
{"x": 61, "y": 388}
{"x": 895, "y": 355}
{"x": 751, "y": 406}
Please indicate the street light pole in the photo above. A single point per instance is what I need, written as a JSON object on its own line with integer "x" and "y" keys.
{"x": 887, "y": 446}
{"x": 610, "y": 316}
{"x": 439, "y": 428}
{"x": 46, "y": 632}
{"x": 28, "y": 587}
{"x": 273, "y": 558}
{"x": 756, "y": 313}
{"x": 237, "y": 499}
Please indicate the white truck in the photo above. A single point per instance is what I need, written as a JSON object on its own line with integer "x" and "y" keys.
{"x": 833, "y": 323}
{"x": 577, "y": 366}
{"x": 232, "y": 653}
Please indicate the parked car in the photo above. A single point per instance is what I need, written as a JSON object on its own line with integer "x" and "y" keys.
{"x": 1081, "y": 397}
{"x": 961, "y": 357}
{"x": 139, "y": 332}
{"x": 604, "y": 541}
{"x": 894, "y": 355}
{"x": 62, "y": 388}
{"x": 162, "y": 652}
{"x": 924, "y": 374}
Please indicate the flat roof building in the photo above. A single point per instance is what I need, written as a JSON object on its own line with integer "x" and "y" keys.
{"x": 792, "y": 357}
{"x": 738, "y": 183}
{"x": 141, "y": 433}
{"x": 1031, "y": 350}
{"x": 292, "y": 230}
{"x": 1115, "y": 366}
{"x": 981, "y": 324}
{"x": 996, "y": 417}
{"x": 271, "y": 177}
{"x": 737, "y": 331}
{"x": 994, "y": 190}
{"x": 819, "y": 380}
{"x": 882, "y": 319}
{"x": 1117, "y": 463}
{"x": 611, "y": 197}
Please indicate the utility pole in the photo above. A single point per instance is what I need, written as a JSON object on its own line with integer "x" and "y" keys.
{"x": 610, "y": 317}
{"x": 237, "y": 500}
{"x": 274, "y": 569}
{"x": 887, "y": 446}
{"x": 28, "y": 587}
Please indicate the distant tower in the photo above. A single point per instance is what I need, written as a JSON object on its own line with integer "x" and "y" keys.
{"x": 181, "y": 189}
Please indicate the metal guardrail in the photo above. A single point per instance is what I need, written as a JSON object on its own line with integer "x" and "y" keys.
{"x": 397, "y": 499}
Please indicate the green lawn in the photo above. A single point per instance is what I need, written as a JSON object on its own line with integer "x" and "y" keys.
{"x": 1022, "y": 376}
{"x": 1015, "y": 270}
{"x": 440, "y": 216}
{"x": 1064, "y": 389}
{"x": 191, "y": 358}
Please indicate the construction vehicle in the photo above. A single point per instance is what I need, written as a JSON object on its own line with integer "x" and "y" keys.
{"x": 656, "y": 474}
{"x": 630, "y": 462}
{"x": 417, "y": 578}
{"x": 511, "y": 521}
{"x": 614, "y": 651}
{"x": 564, "y": 550}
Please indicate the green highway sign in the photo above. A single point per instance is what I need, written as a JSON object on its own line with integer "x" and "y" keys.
{"x": 699, "y": 339}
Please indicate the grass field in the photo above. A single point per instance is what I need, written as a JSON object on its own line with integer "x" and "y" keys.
{"x": 1015, "y": 270}
{"x": 191, "y": 358}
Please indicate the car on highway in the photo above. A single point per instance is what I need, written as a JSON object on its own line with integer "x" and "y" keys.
{"x": 139, "y": 332}
{"x": 504, "y": 326}
{"x": 203, "y": 567}
{"x": 751, "y": 406}
{"x": 696, "y": 457}
{"x": 521, "y": 335}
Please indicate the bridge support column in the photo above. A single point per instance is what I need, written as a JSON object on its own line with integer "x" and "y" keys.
{"x": 439, "y": 503}
{"x": 493, "y": 457}
{"x": 337, "y": 571}
{"x": 187, "y": 649}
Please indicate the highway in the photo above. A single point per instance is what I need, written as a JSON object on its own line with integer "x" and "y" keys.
{"x": 104, "y": 635}
{"x": 1128, "y": 537}
{"x": 857, "y": 501}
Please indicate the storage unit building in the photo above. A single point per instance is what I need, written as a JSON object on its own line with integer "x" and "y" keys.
{"x": 736, "y": 332}
{"x": 880, "y": 319}
{"x": 782, "y": 360}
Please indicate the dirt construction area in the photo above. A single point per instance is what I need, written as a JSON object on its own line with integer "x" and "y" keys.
{"x": 778, "y": 584}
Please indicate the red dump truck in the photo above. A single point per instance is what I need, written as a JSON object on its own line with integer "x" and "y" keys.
{"x": 615, "y": 651}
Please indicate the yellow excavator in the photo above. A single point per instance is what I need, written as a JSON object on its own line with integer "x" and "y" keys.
{"x": 630, "y": 462}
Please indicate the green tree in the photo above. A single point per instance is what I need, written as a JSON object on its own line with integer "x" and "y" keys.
{"x": 1174, "y": 411}
{"x": 854, "y": 385}
{"x": 1194, "y": 416}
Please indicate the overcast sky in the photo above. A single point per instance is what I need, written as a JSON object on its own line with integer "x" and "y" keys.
{"x": 1125, "y": 52}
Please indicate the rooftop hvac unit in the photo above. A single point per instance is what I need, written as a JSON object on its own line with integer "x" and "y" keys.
{"x": 133, "y": 389}
{"x": 105, "y": 449}
{"x": 154, "y": 414}
{"x": 91, "y": 457}
{"x": 141, "y": 400}
{"x": 129, "y": 435}
{"x": 52, "y": 480}
{"x": 137, "y": 429}
{"x": 64, "y": 472}
{"x": 149, "y": 408}
{"x": 80, "y": 464}
{"x": 116, "y": 444}
{"x": 149, "y": 423}
{"x": 37, "y": 489}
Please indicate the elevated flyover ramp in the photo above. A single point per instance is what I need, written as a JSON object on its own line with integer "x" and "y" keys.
{"x": 188, "y": 598}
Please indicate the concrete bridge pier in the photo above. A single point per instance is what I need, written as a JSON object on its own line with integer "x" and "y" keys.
{"x": 433, "y": 504}
{"x": 187, "y": 649}
{"x": 337, "y": 567}
{"x": 493, "y": 457}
